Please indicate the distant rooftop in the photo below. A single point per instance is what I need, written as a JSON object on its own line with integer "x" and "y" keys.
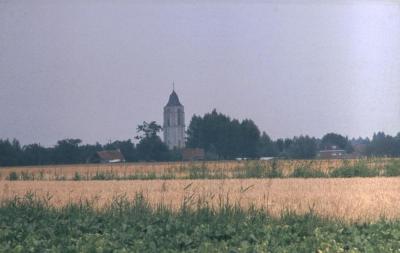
{"x": 331, "y": 150}
{"x": 173, "y": 99}
{"x": 109, "y": 155}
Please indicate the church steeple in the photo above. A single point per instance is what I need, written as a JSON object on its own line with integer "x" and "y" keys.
{"x": 174, "y": 121}
{"x": 173, "y": 99}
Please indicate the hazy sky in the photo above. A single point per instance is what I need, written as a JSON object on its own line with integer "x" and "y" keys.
{"x": 96, "y": 69}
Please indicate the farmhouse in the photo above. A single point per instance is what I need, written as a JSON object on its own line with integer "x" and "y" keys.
{"x": 109, "y": 156}
{"x": 193, "y": 154}
{"x": 332, "y": 153}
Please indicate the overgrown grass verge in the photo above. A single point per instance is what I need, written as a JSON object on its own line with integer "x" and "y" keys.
{"x": 30, "y": 224}
{"x": 250, "y": 169}
{"x": 359, "y": 169}
{"x": 304, "y": 172}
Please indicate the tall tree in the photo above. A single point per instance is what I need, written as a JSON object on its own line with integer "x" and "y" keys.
{"x": 250, "y": 137}
{"x": 266, "y": 146}
{"x": 67, "y": 152}
{"x": 194, "y": 132}
{"x": 228, "y": 138}
{"x": 383, "y": 145}
{"x": 35, "y": 154}
{"x": 148, "y": 130}
{"x": 10, "y": 153}
{"x": 333, "y": 139}
{"x": 303, "y": 147}
{"x": 150, "y": 146}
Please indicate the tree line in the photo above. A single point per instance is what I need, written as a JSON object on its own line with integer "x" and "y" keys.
{"x": 225, "y": 138}
{"x": 220, "y": 136}
{"x": 71, "y": 151}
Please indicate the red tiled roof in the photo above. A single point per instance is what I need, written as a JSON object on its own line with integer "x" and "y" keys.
{"x": 109, "y": 155}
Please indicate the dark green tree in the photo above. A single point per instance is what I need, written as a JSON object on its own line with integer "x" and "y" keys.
{"x": 227, "y": 138}
{"x": 35, "y": 154}
{"x": 302, "y": 147}
{"x": 249, "y": 137}
{"x": 333, "y": 139}
{"x": 266, "y": 146}
{"x": 384, "y": 145}
{"x": 10, "y": 153}
{"x": 150, "y": 146}
{"x": 282, "y": 147}
{"x": 195, "y": 132}
{"x": 67, "y": 152}
{"x": 148, "y": 130}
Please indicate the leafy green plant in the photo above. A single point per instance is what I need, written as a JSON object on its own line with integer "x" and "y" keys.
{"x": 305, "y": 172}
{"x": 150, "y": 176}
{"x": 77, "y": 176}
{"x": 24, "y": 175}
{"x": 168, "y": 176}
{"x": 360, "y": 169}
{"x": 254, "y": 169}
{"x": 273, "y": 171}
{"x": 196, "y": 172}
{"x": 31, "y": 224}
{"x": 392, "y": 169}
{"x": 41, "y": 175}
{"x": 101, "y": 175}
{"x": 13, "y": 176}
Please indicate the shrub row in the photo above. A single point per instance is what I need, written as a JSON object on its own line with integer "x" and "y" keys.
{"x": 252, "y": 169}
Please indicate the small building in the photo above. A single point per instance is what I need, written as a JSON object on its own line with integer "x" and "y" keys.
{"x": 266, "y": 158}
{"x": 332, "y": 154}
{"x": 109, "y": 156}
{"x": 193, "y": 154}
{"x": 241, "y": 158}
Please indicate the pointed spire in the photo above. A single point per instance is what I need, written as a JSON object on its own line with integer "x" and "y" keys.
{"x": 173, "y": 98}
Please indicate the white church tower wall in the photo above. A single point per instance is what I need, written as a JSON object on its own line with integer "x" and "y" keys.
{"x": 174, "y": 123}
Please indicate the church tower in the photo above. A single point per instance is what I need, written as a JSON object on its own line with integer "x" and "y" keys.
{"x": 174, "y": 122}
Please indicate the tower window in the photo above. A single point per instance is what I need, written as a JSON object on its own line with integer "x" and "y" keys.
{"x": 179, "y": 117}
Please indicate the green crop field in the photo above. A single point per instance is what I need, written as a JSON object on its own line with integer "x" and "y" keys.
{"x": 29, "y": 224}
{"x": 276, "y": 206}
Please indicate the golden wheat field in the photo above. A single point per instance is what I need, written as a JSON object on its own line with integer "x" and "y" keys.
{"x": 180, "y": 170}
{"x": 351, "y": 199}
